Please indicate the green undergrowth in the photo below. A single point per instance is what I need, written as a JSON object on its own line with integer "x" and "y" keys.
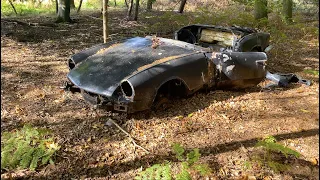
{"x": 28, "y": 147}
{"x": 188, "y": 164}
{"x": 274, "y": 155}
{"x": 25, "y": 9}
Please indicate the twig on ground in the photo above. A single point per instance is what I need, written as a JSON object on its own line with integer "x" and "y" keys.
{"x": 132, "y": 139}
{"x": 92, "y": 17}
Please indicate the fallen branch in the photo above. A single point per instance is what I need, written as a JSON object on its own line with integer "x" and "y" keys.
{"x": 29, "y": 24}
{"x": 132, "y": 139}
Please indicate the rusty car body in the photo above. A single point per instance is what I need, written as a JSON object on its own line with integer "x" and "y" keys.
{"x": 134, "y": 74}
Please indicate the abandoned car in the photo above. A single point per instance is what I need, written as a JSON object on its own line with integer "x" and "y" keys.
{"x": 135, "y": 74}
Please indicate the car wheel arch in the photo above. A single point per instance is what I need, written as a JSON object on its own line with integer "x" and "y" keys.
{"x": 160, "y": 88}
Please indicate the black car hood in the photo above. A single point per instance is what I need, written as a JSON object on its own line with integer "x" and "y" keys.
{"x": 102, "y": 72}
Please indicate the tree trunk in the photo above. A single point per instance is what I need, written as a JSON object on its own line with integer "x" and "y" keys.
{"x": 130, "y": 10}
{"x": 105, "y": 20}
{"x": 136, "y": 12}
{"x": 57, "y": 6}
{"x": 287, "y": 10}
{"x": 125, "y": 1}
{"x": 63, "y": 11}
{"x": 260, "y": 9}
{"x": 79, "y": 6}
{"x": 115, "y": 3}
{"x": 149, "y": 5}
{"x": 14, "y": 9}
{"x": 72, "y": 6}
{"x": 181, "y": 8}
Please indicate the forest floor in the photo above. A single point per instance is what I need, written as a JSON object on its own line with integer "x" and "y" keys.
{"x": 224, "y": 125}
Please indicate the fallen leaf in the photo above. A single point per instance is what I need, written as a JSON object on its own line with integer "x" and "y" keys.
{"x": 178, "y": 117}
{"x": 190, "y": 115}
{"x": 305, "y": 111}
{"x": 314, "y": 161}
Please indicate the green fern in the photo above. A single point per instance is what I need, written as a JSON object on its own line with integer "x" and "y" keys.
{"x": 26, "y": 147}
{"x": 270, "y": 145}
{"x": 184, "y": 174}
{"x": 277, "y": 167}
{"x": 156, "y": 172}
{"x": 193, "y": 156}
{"x": 203, "y": 169}
{"x": 188, "y": 163}
{"x": 178, "y": 150}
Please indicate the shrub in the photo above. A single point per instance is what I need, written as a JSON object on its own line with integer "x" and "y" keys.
{"x": 27, "y": 148}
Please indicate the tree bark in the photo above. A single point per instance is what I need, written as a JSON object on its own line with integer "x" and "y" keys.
{"x": 105, "y": 20}
{"x": 72, "y": 6}
{"x": 14, "y": 9}
{"x": 125, "y": 1}
{"x": 136, "y": 12}
{"x": 130, "y": 10}
{"x": 260, "y": 9}
{"x": 287, "y": 10}
{"x": 181, "y": 8}
{"x": 64, "y": 11}
{"x": 149, "y": 5}
{"x": 79, "y": 6}
{"x": 57, "y": 6}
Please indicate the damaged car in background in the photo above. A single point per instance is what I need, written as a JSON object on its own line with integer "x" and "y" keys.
{"x": 136, "y": 74}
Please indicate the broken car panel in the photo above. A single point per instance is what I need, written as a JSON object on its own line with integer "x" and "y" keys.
{"x": 131, "y": 75}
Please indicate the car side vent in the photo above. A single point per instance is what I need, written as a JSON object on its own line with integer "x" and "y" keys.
{"x": 127, "y": 89}
{"x": 71, "y": 64}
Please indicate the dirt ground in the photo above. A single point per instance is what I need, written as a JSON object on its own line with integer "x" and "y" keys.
{"x": 224, "y": 125}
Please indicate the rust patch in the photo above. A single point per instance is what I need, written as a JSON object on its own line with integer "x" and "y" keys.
{"x": 159, "y": 61}
{"x": 107, "y": 48}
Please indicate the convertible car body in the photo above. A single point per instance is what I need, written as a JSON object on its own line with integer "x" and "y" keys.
{"x": 134, "y": 74}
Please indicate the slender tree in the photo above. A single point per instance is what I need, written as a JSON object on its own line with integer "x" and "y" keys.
{"x": 105, "y": 20}
{"x": 287, "y": 10}
{"x": 136, "y": 12}
{"x": 149, "y": 5}
{"x": 79, "y": 6}
{"x": 14, "y": 9}
{"x": 181, "y": 8}
{"x": 57, "y": 6}
{"x": 64, "y": 11}
{"x": 260, "y": 9}
{"x": 129, "y": 12}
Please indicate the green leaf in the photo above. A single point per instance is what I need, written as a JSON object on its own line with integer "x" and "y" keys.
{"x": 193, "y": 156}
{"x": 203, "y": 169}
{"x": 310, "y": 71}
{"x": 184, "y": 174}
{"x": 178, "y": 150}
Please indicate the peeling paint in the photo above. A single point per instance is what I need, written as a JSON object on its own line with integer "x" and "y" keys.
{"x": 229, "y": 68}
{"x": 106, "y": 49}
{"x": 225, "y": 57}
{"x": 160, "y": 61}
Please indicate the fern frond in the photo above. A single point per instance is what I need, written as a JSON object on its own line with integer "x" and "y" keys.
{"x": 26, "y": 158}
{"x": 166, "y": 172}
{"x": 193, "y": 156}
{"x": 203, "y": 169}
{"x": 184, "y": 174}
{"x": 277, "y": 167}
{"x": 178, "y": 150}
{"x": 26, "y": 147}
